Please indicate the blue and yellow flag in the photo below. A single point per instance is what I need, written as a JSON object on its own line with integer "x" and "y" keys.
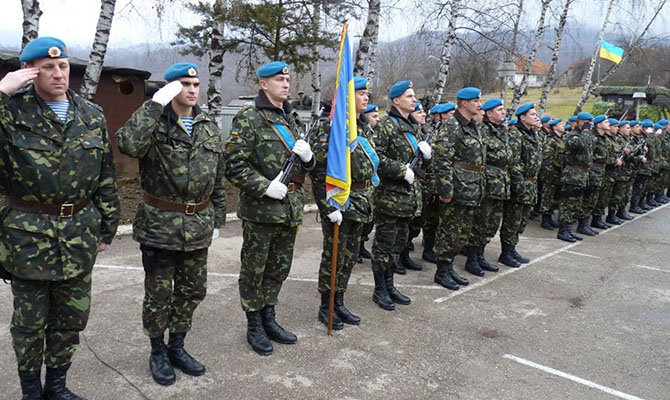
{"x": 342, "y": 129}
{"x": 611, "y": 52}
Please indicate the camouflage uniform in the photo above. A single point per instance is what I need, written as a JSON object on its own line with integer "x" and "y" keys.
{"x": 644, "y": 171}
{"x": 431, "y": 204}
{"x": 550, "y": 173}
{"x": 609, "y": 179}
{"x": 47, "y": 162}
{"x": 256, "y": 155}
{"x": 577, "y": 160}
{"x": 179, "y": 168}
{"x": 622, "y": 180}
{"x": 600, "y": 149}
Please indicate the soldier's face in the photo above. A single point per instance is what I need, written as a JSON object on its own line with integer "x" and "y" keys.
{"x": 445, "y": 116}
{"x": 373, "y": 117}
{"x": 190, "y": 91}
{"x": 53, "y": 79}
{"x": 530, "y": 119}
{"x": 497, "y": 115}
{"x": 624, "y": 130}
{"x": 479, "y": 117}
{"x": 419, "y": 116}
{"x": 635, "y": 130}
{"x": 559, "y": 128}
{"x": 405, "y": 102}
{"x": 471, "y": 107}
{"x": 361, "y": 100}
{"x": 276, "y": 87}
{"x": 614, "y": 129}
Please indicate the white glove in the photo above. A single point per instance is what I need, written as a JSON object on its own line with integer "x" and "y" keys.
{"x": 335, "y": 217}
{"x": 167, "y": 93}
{"x": 215, "y": 234}
{"x": 425, "y": 149}
{"x": 409, "y": 175}
{"x": 276, "y": 190}
{"x": 302, "y": 149}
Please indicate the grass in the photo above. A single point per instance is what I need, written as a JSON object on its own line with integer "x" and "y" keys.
{"x": 561, "y": 102}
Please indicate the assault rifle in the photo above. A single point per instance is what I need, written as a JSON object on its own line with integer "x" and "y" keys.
{"x": 294, "y": 161}
{"x": 417, "y": 158}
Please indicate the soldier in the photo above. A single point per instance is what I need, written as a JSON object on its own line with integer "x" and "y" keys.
{"x": 62, "y": 208}
{"x": 524, "y": 169}
{"x": 602, "y": 156}
{"x": 498, "y": 159}
{"x": 183, "y": 207}
{"x": 572, "y": 123}
{"x": 262, "y": 137}
{"x": 542, "y": 134}
{"x": 371, "y": 115}
{"x": 364, "y": 162}
{"x": 398, "y": 197}
{"x": 550, "y": 173}
{"x": 660, "y": 166}
{"x": 620, "y": 192}
{"x": 646, "y": 171}
{"x": 612, "y": 171}
{"x": 459, "y": 186}
{"x": 638, "y": 180}
{"x": 665, "y": 137}
{"x": 577, "y": 160}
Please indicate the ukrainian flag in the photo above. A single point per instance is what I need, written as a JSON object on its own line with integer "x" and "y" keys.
{"x": 342, "y": 129}
{"x": 611, "y": 52}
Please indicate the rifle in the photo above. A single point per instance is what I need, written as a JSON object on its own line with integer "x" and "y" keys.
{"x": 294, "y": 161}
{"x": 417, "y": 158}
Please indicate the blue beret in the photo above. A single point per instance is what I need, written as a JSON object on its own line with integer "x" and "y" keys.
{"x": 584, "y": 116}
{"x": 446, "y": 107}
{"x": 43, "y": 47}
{"x": 634, "y": 122}
{"x": 657, "y": 126}
{"x": 622, "y": 123}
{"x": 418, "y": 107}
{"x": 512, "y": 122}
{"x": 360, "y": 83}
{"x": 469, "y": 93}
{"x": 555, "y": 121}
{"x": 647, "y": 123}
{"x": 663, "y": 122}
{"x": 272, "y": 68}
{"x": 613, "y": 121}
{"x": 491, "y": 104}
{"x": 599, "y": 119}
{"x": 572, "y": 119}
{"x": 524, "y": 108}
{"x": 370, "y": 108}
{"x": 399, "y": 88}
{"x": 181, "y": 69}
{"x": 434, "y": 110}
{"x": 545, "y": 119}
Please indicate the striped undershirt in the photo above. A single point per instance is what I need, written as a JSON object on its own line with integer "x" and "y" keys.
{"x": 60, "y": 108}
{"x": 188, "y": 123}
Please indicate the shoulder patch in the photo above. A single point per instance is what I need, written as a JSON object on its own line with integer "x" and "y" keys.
{"x": 235, "y": 132}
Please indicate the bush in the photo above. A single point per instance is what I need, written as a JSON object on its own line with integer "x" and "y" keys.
{"x": 602, "y": 107}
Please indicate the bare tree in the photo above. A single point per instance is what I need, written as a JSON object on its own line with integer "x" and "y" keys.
{"x": 31, "y": 20}
{"x": 368, "y": 42}
{"x": 316, "y": 69}
{"x": 89, "y": 83}
{"x": 445, "y": 57}
{"x": 217, "y": 49}
{"x": 515, "y": 32}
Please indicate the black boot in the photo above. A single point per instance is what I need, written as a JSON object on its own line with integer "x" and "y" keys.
{"x": 428, "y": 254}
{"x": 443, "y": 277}
{"x": 547, "y": 222}
{"x": 507, "y": 257}
{"x": 159, "y": 362}
{"x": 31, "y": 385}
{"x": 597, "y": 222}
{"x": 363, "y": 253}
{"x": 399, "y": 267}
{"x": 636, "y": 209}
{"x": 323, "y": 313}
{"x": 521, "y": 259}
{"x": 407, "y": 262}
{"x": 555, "y": 223}
{"x": 643, "y": 204}
{"x": 564, "y": 234}
{"x": 483, "y": 263}
{"x": 612, "y": 218}
{"x": 457, "y": 278}
{"x": 394, "y": 294}
{"x": 651, "y": 201}
{"x": 54, "y": 385}
{"x": 381, "y": 295}
{"x": 622, "y": 214}
{"x": 664, "y": 199}
{"x": 180, "y": 358}
{"x": 273, "y": 329}
{"x": 472, "y": 264}
{"x": 256, "y": 335}
{"x": 584, "y": 229}
{"x": 345, "y": 315}
{"x": 573, "y": 234}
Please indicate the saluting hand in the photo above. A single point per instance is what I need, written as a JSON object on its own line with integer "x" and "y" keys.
{"x": 167, "y": 93}
{"x": 14, "y": 80}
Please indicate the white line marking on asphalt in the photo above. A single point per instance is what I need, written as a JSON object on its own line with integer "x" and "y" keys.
{"x": 571, "y": 377}
{"x": 651, "y": 268}
{"x": 584, "y": 255}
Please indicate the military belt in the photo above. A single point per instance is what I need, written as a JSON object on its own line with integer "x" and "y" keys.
{"x": 187, "y": 208}
{"x": 361, "y": 185}
{"x": 578, "y": 167}
{"x": 66, "y": 210}
{"x": 531, "y": 179}
{"x": 470, "y": 167}
{"x": 504, "y": 168}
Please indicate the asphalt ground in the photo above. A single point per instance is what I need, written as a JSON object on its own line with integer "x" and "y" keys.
{"x": 588, "y": 320}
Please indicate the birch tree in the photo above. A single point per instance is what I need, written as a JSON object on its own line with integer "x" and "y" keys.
{"x": 367, "y": 46}
{"x": 551, "y": 76}
{"x": 215, "y": 66}
{"x": 316, "y": 69}
{"x": 31, "y": 21}
{"x": 89, "y": 83}
{"x": 445, "y": 57}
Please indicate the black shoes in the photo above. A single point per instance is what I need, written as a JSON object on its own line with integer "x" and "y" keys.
{"x": 564, "y": 234}
{"x": 323, "y": 313}
{"x": 394, "y": 294}
{"x": 179, "y": 358}
{"x": 584, "y": 228}
{"x": 612, "y": 218}
{"x": 622, "y": 214}
{"x": 273, "y": 329}
{"x": 428, "y": 252}
{"x": 521, "y": 259}
{"x": 345, "y": 315}
{"x": 31, "y": 385}
{"x": 399, "y": 267}
{"x": 483, "y": 263}
{"x": 507, "y": 257}
{"x": 408, "y": 263}
{"x": 363, "y": 253}
{"x": 256, "y": 335}
{"x": 54, "y": 386}
{"x": 381, "y": 295}
{"x": 159, "y": 362}
{"x": 547, "y": 222}
{"x": 472, "y": 264}
{"x": 597, "y": 222}
{"x": 443, "y": 276}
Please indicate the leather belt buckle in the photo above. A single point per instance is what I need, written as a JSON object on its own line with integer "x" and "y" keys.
{"x": 291, "y": 187}
{"x": 190, "y": 208}
{"x": 367, "y": 184}
{"x": 67, "y": 210}
{"x": 481, "y": 169}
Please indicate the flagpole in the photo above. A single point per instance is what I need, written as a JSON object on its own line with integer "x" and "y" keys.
{"x": 333, "y": 276}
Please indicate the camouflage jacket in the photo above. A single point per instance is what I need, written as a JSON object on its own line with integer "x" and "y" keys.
{"x": 362, "y": 171}
{"x": 577, "y": 159}
{"x": 665, "y": 139}
{"x": 176, "y": 167}
{"x": 498, "y": 160}
{"x": 611, "y": 168}
{"x": 394, "y": 196}
{"x": 620, "y": 143}
{"x": 526, "y": 164}
{"x": 647, "y": 169}
{"x": 601, "y": 156}
{"x": 552, "y": 154}
{"x": 256, "y": 155}
{"x": 460, "y": 159}
{"x": 45, "y": 161}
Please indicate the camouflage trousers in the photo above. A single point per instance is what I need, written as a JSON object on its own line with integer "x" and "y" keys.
{"x": 453, "y": 230}
{"x": 549, "y": 196}
{"x": 391, "y": 235}
{"x": 639, "y": 187}
{"x": 514, "y": 221}
{"x": 486, "y": 222}
{"x": 366, "y": 231}
{"x": 570, "y": 204}
{"x": 267, "y": 253}
{"x": 51, "y": 311}
{"x": 590, "y": 198}
{"x": 431, "y": 218}
{"x": 175, "y": 283}
{"x": 620, "y": 194}
{"x": 604, "y": 196}
{"x": 347, "y": 253}
{"x": 415, "y": 224}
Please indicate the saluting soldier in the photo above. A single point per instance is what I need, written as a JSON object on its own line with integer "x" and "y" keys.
{"x": 364, "y": 162}
{"x": 550, "y": 173}
{"x": 62, "y": 208}
{"x": 182, "y": 175}
{"x": 262, "y": 137}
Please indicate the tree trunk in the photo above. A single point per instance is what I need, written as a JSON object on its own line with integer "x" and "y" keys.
{"x": 316, "y": 68}
{"x": 369, "y": 37}
{"x": 589, "y": 75}
{"x": 445, "y": 58}
{"x": 89, "y": 83}
{"x": 521, "y": 89}
{"x": 371, "y": 71}
{"x": 551, "y": 78}
{"x": 31, "y": 20}
{"x": 216, "y": 65}
{"x": 515, "y": 32}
